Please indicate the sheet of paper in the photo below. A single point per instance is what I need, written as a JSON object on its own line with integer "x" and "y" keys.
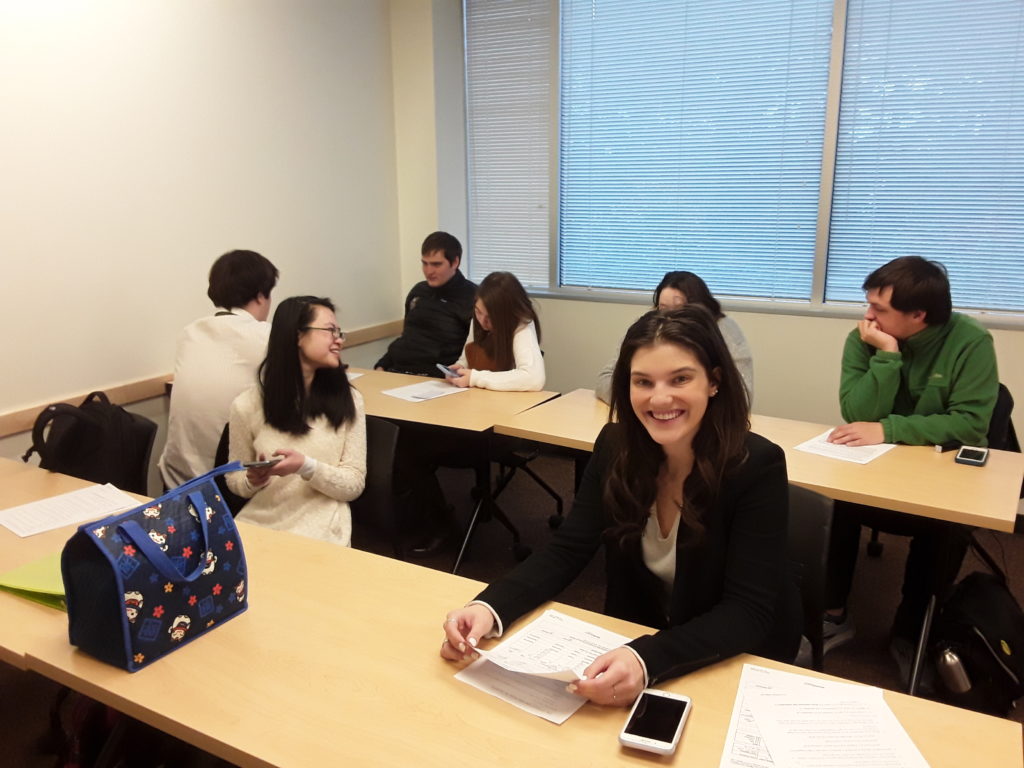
{"x": 353, "y": 375}
{"x": 39, "y": 580}
{"x": 756, "y": 739}
{"x": 425, "y": 390}
{"x": 530, "y": 668}
{"x": 833, "y": 729}
{"x": 79, "y": 506}
{"x": 860, "y": 454}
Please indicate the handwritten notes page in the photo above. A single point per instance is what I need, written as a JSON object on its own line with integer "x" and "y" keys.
{"x": 426, "y": 390}
{"x": 531, "y": 668}
{"x": 92, "y": 503}
{"x": 860, "y": 454}
{"x": 786, "y": 719}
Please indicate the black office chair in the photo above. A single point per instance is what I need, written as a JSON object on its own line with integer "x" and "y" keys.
{"x": 810, "y": 526}
{"x": 376, "y": 505}
{"x": 512, "y": 454}
{"x": 233, "y": 500}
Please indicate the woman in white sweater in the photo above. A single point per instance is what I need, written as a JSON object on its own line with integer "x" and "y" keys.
{"x": 502, "y": 351}
{"x": 305, "y": 414}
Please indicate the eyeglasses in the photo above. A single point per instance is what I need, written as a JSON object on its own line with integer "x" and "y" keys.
{"x": 335, "y": 332}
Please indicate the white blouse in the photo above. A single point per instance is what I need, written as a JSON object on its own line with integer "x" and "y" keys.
{"x": 527, "y": 376}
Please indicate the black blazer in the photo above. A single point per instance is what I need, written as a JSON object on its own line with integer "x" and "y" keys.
{"x": 734, "y": 588}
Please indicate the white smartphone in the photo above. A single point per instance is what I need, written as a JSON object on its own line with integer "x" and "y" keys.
{"x": 448, "y": 372}
{"x": 656, "y": 721}
{"x": 973, "y": 456}
{"x": 264, "y": 463}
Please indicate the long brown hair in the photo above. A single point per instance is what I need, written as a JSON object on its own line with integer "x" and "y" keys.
{"x": 718, "y": 447}
{"x": 508, "y": 307}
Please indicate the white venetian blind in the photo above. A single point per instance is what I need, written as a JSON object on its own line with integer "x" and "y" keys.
{"x": 508, "y": 104}
{"x": 691, "y": 138}
{"x": 931, "y": 146}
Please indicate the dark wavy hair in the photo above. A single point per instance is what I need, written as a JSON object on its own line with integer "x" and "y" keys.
{"x": 286, "y": 404}
{"x": 693, "y": 288}
{"x": 719, "y": 445}
{"x": 508, "y": 307}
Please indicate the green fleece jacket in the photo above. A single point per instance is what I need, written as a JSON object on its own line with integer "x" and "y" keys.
{"x": 940, "y": 387}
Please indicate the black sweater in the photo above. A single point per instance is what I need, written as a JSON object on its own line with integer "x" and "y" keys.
{"x": 436, "y": 326}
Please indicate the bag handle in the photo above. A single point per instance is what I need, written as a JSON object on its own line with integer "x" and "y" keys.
{"x": 157, "y": 556}
{"x": 43, "y": 421}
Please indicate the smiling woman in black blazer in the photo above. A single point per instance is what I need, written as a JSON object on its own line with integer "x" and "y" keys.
{"x": 691, "y": 508}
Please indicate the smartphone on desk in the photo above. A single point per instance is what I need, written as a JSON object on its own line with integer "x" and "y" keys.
{"x": 261, "y": 464}
{"x": 976, "y": 457}
{"x": 656, "y": 721}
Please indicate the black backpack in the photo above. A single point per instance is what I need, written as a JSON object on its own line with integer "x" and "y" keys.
{"x": 978, "y": 642}
{"x": 96, "y": 441}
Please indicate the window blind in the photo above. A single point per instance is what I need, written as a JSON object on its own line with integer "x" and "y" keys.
{"x": 930, "y": 159}
{"x": 691, "y": 138}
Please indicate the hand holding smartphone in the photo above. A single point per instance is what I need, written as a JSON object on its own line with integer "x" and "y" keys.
{"x": 448, "y": 372}
{"x": 263, "y": 463}
{"x": 656, "y": 721}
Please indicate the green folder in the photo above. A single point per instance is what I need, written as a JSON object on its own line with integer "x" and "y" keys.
{"x": 39, "y": 580}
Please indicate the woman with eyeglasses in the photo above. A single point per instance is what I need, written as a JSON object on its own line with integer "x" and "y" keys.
{"x": 307, "y": 419}
{"x": 675, "y": 290}
{"x": 690, "y": 508}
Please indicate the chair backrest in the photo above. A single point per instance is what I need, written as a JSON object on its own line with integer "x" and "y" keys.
{"x": 810, "y": 526}
{"x": 233, "y": 500}
{"x": 1001, "y": 434}
{"x": 376, "y": 506}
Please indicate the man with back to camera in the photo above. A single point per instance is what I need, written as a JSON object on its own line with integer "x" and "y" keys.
{"x": 438, "y": 312}
{"x": 217, "y": 359}
{"x": 913, "y": 372}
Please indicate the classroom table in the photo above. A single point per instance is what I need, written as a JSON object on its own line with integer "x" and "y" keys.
{"x": 912, "y": 479}
{"x": 336, "y": 663}
{"x": 476, "y": 409}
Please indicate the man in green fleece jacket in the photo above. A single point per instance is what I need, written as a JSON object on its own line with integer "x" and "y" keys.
{"x": 914, "y": 372}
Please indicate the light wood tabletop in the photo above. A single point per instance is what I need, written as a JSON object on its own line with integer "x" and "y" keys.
{"x": 912, "y": 479}
{"x": 475, "y": 409}
{"x": 336, "y": 662}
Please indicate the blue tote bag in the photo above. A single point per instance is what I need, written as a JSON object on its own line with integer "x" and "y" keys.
{"x": 142, "y": 583}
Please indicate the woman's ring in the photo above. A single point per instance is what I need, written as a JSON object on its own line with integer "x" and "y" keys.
{"x": 451, "y": 621}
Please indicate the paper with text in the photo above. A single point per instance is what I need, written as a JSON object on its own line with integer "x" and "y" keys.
{"x": 860, "y": 454}
{"x": 92, "y": 503}
{"x": 426, "y": 390}
{"x": 773, "y": 724}
{"x": 531, "y": 668}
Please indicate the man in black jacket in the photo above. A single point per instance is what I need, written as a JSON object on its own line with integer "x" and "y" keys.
{"x": 437, "y": 312}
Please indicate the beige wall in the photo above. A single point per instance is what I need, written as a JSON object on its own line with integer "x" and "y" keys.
{"x": 143, "y": 139}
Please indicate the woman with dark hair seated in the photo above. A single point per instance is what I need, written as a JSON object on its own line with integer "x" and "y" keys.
{"x": 675, "y": 290}
{"x": 691, "y": 509}
{"x": 304, "y": 411}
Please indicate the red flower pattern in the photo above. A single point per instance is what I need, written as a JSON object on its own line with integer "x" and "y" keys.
{"x": 158, "y": 611}
{"x": 129, "y": 550}
{"x": 217, "y": 589}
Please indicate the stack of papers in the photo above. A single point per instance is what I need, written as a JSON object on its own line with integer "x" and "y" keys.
{"x": 532, "y": 667}
{"x": 427, "y": 390}
{"x": 786, "y": 719}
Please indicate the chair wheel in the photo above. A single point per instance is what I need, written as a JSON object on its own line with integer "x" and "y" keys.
{"x": 875, "y": 548}
{"x": 521, "y": 552}
{"x": 554, "y": 521}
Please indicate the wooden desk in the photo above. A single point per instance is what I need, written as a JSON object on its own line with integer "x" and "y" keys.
{"x": 571, "y": 421}
{"x": 336, "y": 662}
{"x": 912, "y": 479}
{"x": 475, "y": 410}
{"x": 909, "y": 478}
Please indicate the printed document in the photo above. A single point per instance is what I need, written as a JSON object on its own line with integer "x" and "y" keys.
{"x": 532, "y": 667}
{"x": 860, "y": 454}
{"x": 92, "y": 503}
{"x": 786, "y": 719}
{"x": 426, "y": 390}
